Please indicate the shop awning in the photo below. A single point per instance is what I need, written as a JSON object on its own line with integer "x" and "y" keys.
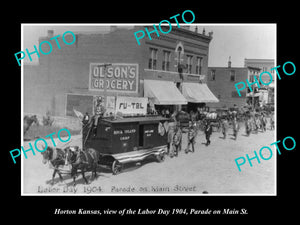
{"x": 196, "y": 92}
{"x": 163, "y": 93}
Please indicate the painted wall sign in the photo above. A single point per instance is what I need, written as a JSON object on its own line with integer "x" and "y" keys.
{"x": 115, "y": 77}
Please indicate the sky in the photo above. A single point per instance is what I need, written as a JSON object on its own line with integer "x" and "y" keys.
{"x": 239, "y": 41}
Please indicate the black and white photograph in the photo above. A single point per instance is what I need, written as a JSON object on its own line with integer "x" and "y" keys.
{"x": 149, "y": 112}
{"x": 154, "y": 109}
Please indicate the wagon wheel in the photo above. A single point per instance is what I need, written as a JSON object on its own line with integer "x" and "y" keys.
{"x": 116, "y": 167}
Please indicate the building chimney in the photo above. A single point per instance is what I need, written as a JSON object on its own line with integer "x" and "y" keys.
{"x": 229, "y": 62}
{"x": 50, "y": 33}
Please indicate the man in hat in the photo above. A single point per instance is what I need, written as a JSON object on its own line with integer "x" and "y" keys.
{"x": 99, "y": 111}
{"x": 272, "y": 122}
{"x": 263, "y": 122}
{"x": 248, "y": 125}
{"x": 191, "y": 137}
{"x": 177, "y": 139}
{"x": 236, "y": 127}
{"x": 224, "y": 126}
{"x": 207, "y": 131}
{"x": 170, "y": 135}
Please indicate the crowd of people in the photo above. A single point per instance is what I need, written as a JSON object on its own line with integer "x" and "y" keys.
{"x": 201, "y": 119}
{"x": 254, "y": 122}
{"x": 175, "y": 135}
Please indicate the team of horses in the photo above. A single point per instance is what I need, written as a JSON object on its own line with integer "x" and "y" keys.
{"x": 78, "y": 160}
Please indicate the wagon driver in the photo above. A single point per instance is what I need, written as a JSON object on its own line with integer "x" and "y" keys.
{"x": 99, "y": 111}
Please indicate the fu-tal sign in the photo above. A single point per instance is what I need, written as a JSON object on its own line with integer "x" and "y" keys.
{"x": 115, "y": 77}
{"x": 131, "y": 105}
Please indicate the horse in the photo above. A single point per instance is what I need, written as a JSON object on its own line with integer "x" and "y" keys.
{"x": 82, "y": 160}
{"x": 56, "y": 157}
{"x": 28, "y": 122}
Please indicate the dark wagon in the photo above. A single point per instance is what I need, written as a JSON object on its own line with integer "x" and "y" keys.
{"x": 126, "y": 140}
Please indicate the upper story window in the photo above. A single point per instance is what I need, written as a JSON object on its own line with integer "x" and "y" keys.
{"x": 189, "y": 63}
{"x": 152, "y": 59}
{"x": 166, "y": 60}
{"x": 232, "y": 75}
{"x": 199, "y": 65}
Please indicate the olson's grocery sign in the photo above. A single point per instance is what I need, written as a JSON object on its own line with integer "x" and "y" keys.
{"x": 115, "y": 77}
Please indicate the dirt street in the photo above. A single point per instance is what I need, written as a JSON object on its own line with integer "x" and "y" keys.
{"x": 210, "y": 169}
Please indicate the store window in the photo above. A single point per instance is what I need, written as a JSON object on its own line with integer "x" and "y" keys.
{"x": 153, "y": 59}
{"x": 166, "y": 60}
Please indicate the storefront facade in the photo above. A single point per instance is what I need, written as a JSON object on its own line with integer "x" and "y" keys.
{"x": 112, "y": 64}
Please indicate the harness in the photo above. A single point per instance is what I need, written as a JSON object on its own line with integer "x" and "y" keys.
{"x": 56, "y": 157}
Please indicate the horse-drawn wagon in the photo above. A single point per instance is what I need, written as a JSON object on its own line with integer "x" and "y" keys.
{"x": 126, "y": 140}
{"x": 212, "y": 117}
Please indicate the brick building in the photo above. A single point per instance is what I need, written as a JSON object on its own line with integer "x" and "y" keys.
{"x": 267, "y": 92}
{"x": 221, "y": 81}
{"x": 68, "y": 79}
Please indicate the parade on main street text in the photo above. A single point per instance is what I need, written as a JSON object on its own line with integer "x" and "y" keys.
{"x": 92, "y": 189}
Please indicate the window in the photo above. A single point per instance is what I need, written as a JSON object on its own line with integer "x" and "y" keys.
{"x": 212, "y": 76}
{"x": 232, "y": 75}
{"x": 189, "y": 63}
{"x": 199, "y": 65}
{"x": 251, "y": 78}
{"x": 166, "y": 61}
{"x": 152, "y": 59}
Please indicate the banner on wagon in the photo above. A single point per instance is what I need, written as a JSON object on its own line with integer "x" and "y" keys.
{"x": 131, "y": 105}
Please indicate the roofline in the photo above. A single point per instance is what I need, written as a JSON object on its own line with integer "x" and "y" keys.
{"x": 191, "y": 33}
{"x": 259, "y": 60}
{"x": 225, "y": 67}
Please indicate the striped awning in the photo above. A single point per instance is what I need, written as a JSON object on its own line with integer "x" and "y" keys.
{"x": 196, "y": 92}
{"x": 136, "y": 156}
